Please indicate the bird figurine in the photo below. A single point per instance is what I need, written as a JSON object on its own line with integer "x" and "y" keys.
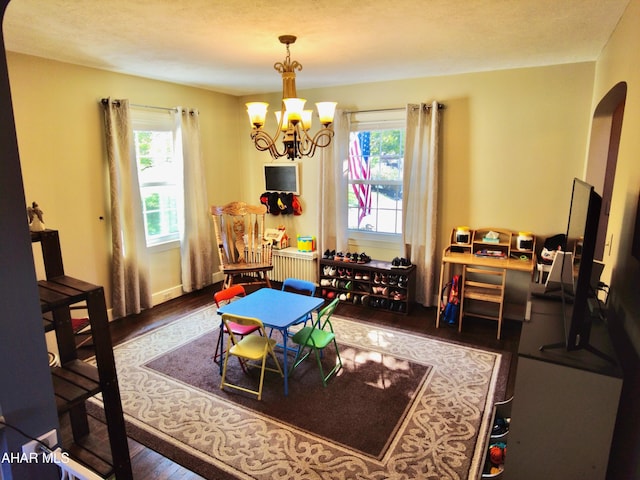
{"x": 36, "y": 218}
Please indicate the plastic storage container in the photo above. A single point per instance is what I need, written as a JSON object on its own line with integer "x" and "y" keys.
{"x": 524, "y": 241}
{"x": 463, "y": 235}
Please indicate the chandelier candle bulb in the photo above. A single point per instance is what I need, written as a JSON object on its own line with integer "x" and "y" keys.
{"x": 257, "y": 113}
{"x": 294, "y": 107}
{"x": 326, "y": 111}
{"x": 307, "y": 119}
{"x": 285, "y": 120}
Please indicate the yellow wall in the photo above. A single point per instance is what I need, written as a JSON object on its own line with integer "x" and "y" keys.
{"x": 512, "y": 142}
{"x": 60, "y": 137}
{"x": 619, "y": 62}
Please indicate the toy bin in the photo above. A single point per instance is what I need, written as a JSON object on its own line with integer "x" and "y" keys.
{"x": 306, "y": 244}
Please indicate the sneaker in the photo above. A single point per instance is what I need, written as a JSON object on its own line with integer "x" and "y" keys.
{"x": 364, "y": 258}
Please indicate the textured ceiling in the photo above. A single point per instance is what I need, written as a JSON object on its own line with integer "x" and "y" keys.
{"x": 231, "y": 45}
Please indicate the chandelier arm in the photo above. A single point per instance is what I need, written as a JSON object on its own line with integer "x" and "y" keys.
{"x": 307, "y": 145}
{"x": 263, "y": 141}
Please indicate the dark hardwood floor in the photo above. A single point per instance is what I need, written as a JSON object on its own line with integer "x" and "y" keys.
{"x": 476, "y": 332}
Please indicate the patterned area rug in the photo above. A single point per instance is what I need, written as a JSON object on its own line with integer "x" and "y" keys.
{"x": 444, "y": 408}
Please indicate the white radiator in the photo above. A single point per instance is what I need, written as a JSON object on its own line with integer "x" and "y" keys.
{"x": 69, "y": 468}
{"x": 290, "y": 263}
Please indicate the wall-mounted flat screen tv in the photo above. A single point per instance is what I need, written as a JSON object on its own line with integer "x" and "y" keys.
{"x": 282, "y": 177}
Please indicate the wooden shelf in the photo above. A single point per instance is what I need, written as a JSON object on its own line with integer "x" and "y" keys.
{"x": 74, "y": 381}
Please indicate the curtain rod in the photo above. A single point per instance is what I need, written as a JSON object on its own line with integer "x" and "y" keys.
{"x": 104, "y": 101}
{"x": 393, "y": 109}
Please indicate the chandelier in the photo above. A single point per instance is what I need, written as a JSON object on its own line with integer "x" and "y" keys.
{"x": 294, "y": 122}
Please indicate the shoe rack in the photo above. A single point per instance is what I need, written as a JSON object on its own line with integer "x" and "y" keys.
{"x": 375, "y": 284}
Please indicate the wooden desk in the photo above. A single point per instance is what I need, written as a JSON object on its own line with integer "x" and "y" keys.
{"x": 450, "y": 258}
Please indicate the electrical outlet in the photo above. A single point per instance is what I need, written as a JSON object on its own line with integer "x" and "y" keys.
{"x": 50, "y": 439}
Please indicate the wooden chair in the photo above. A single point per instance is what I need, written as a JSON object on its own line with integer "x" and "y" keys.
{"x": 245, "y": 256}
{"x": 483, "y": 284}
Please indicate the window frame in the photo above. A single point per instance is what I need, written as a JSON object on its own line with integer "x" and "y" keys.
{"x": 159, "y": 121}
{"x": 369, "y": 121}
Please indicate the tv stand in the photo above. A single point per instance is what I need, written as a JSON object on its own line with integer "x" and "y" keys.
{"x": 565, "y": 403}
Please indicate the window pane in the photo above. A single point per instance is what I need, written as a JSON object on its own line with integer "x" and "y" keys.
{"x": 374, "y": 201}
{"x": 160, "y": 213}
{"x": 159, "y": 175}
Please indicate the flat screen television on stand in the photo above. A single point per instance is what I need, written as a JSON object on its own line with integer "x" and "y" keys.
{"x": 577, "y": 289}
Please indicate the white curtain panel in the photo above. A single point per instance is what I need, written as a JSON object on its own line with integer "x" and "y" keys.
{"x": 131, "y": 292}
{"x": 420, "y": 197}
{"x": 332, "y": 214}
{"x": 196, "y": 251}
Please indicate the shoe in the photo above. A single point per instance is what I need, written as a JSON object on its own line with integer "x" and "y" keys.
{"x": 339, "y": 256}
{"x": 395, "y": 262}
{"x": 325, "y": 282}
{"x": 327, "y": 255}
{"x": 396, "y": 295}
{"x": 364, "y": 258}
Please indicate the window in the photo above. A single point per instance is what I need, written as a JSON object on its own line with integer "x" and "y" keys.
{"x": 159, "y": 175}
{"x": 376, "y": 158}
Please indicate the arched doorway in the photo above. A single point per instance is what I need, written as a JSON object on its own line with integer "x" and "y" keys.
{"x": 603, "y": 155}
